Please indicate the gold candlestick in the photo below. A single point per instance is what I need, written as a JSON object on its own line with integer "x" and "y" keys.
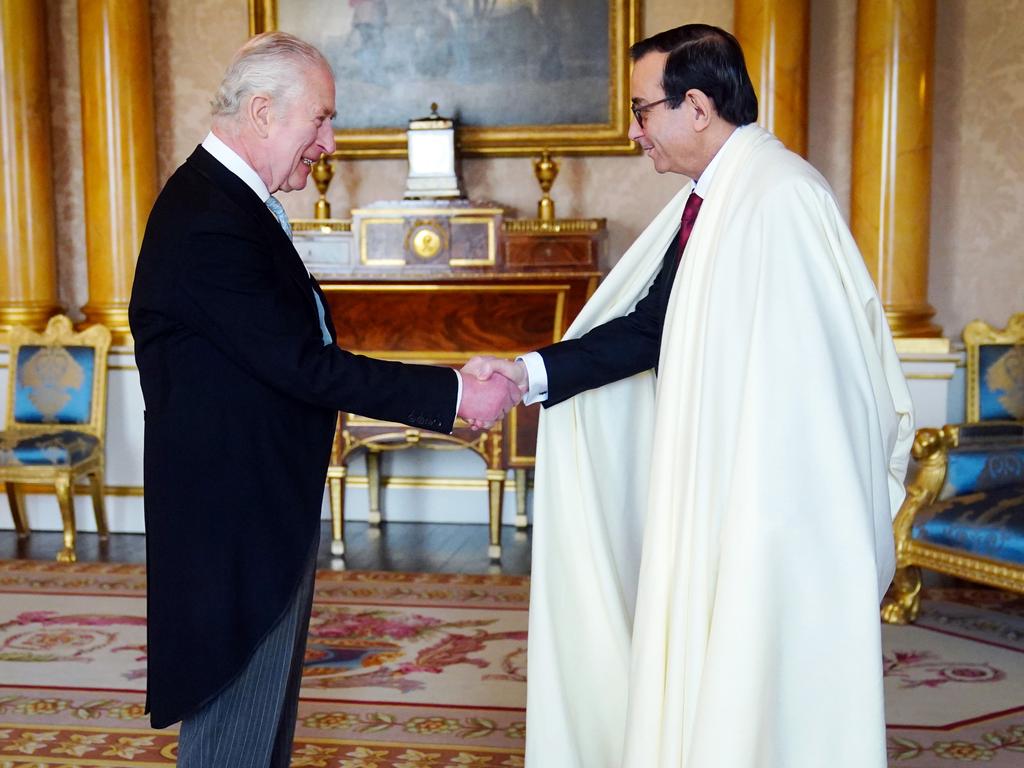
{"x": 323, "y": 172}
{"x": 545, "y": 169}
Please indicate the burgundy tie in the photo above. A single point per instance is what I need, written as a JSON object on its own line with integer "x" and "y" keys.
{"x": 689, "y": 217}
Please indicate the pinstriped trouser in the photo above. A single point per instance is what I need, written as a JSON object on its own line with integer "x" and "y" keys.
{"x": 251, "y": 723}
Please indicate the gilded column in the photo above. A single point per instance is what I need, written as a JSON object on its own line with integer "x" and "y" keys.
{"x": 28, "y": 263}
{"x": 775, "y": 35}
{"x": 119, "y": 150}
{"x": 892, "y": 149}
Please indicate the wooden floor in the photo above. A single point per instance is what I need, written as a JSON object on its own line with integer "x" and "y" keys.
{"x": 410, "y": 547}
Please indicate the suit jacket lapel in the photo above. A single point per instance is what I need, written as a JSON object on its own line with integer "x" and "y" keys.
{"x": 248, "y": 201}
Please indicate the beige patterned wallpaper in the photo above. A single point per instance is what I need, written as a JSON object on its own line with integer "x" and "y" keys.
{"x": 977, "y": 260}
{"x": 192, "y": 44}
{"x": 830, "y": 94}
{"x": 976, "y": 269}
{"x": 66, "y": 140}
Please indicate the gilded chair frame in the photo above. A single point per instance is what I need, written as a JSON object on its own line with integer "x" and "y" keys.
{"x": 977, "y": 334}
{"x": 59, "y": 332}
{"x": 931, "y": 451}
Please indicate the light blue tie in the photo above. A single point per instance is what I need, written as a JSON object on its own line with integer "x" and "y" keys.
{"x": 282, "y": 218}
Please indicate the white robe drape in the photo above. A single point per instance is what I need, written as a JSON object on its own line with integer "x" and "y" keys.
{"x": 761, "y": 475}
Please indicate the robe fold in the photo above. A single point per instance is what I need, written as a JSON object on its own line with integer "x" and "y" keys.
{"x": 710, "y": 548}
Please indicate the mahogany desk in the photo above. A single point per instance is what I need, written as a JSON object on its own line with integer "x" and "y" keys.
{"x": 440, "y": 284}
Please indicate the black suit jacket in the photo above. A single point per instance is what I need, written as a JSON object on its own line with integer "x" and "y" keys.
{"x": 241, "y": 401}
{"x": 614, "y": 350}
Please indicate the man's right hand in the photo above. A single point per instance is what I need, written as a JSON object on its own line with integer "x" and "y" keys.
{"x": 487, "y": 399}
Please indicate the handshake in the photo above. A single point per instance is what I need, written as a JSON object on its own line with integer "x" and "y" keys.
{"x": 491, "y": 387}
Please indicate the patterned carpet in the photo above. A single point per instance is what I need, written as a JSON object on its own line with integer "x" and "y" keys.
{"x": 428, "y": 671}
{"x": 954, "y": 682}
{"x": 403, "y": 670}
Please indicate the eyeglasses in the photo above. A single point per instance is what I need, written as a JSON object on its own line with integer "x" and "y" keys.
{"x": 638, "y": 111}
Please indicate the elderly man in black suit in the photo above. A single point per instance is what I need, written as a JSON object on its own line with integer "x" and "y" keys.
{"x": 242, "y": 381}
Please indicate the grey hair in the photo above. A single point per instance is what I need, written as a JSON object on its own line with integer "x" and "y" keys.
{"x": 272, "y": 64}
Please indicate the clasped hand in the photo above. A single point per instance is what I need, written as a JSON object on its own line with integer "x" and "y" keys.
{"x": 491, "y": 387}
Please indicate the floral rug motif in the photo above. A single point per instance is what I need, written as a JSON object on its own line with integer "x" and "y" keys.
{"x": 429, "y": 671}
{"x": 954, "y": 682}
{"x": 402, "y": 670}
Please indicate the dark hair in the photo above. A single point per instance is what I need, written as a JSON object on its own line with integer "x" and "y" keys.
{"x": 706, "y": 58}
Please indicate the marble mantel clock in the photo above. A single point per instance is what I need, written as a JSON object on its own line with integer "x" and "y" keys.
{"x": 433, "y": 172}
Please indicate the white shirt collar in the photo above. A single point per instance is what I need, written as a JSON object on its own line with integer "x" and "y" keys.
{"x": 703, "y": 183}
{"x": 234, "y": 163}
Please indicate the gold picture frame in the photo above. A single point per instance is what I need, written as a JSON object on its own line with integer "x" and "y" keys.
{"x": 977, "y": 335}
{"x": 569, "y": 108}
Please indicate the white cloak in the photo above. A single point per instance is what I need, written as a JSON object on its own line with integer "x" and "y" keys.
{"x": 768, "y": 460}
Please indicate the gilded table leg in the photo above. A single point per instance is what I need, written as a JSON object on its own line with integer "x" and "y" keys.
{"x": 521, "y": 520}
{"x": 20, "y": 518}
{"x": 904, "y": 602}
{"x": 373, "y": 482}
{"x": 66, "y": 499}
{"x": 495, "y": 493}
{"x": 98, "y": 508}
{"x": 337, "y": 481}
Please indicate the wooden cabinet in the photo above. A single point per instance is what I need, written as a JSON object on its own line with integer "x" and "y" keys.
{"x": 439, "y": 284}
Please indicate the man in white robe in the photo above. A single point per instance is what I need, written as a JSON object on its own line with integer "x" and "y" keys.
{"x": 711, "y": 544}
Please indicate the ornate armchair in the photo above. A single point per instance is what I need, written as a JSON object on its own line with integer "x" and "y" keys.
{"x": 964, "y": 511}
{"x": 56, "y": 411}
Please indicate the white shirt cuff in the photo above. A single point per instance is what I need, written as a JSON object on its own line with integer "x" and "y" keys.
{"x": 537, "y": 375}
{"x": 458, "y": 396}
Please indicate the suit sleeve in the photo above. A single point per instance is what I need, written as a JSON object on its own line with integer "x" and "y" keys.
{"x": 615, "y": 350}
{"x": 234, "y": 290}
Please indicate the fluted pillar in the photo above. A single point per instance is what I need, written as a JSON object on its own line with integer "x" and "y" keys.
{"x": 775, "y": 35}
{"x": 892, "y": 149}
{"x": 119, "y": 150}
{"x": 28, "y": 264}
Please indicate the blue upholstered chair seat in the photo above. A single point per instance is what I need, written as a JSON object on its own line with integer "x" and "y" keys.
{"x": 984, "y": 523}
{"x": 53, "y": 449}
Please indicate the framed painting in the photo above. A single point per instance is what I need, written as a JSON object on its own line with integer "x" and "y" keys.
{"x": 518, "y": 76}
